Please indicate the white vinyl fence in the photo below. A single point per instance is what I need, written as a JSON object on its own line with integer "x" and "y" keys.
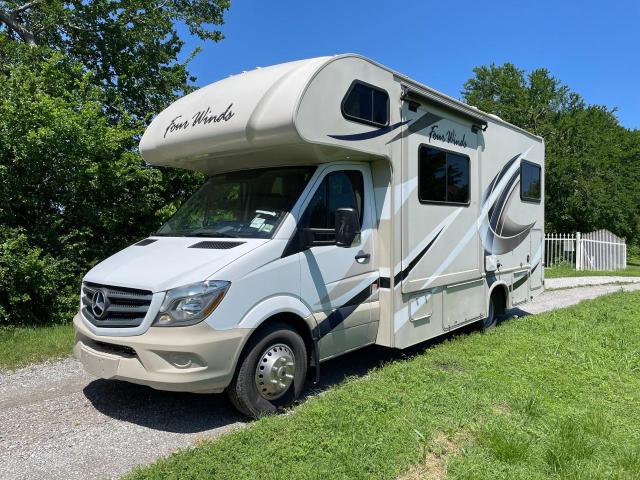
{"x": 599, "y": 250}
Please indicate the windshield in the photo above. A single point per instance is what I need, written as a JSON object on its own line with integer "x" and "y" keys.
{"x": 248, "y": 204}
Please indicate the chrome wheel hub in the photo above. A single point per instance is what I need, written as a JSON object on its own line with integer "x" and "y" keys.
{"x": 275, "y": 371}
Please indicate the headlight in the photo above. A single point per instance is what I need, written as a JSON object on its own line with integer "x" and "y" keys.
{"x": 190, "y": 304}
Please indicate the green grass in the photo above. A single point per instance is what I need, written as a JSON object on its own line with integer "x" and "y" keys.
{"x": 21, "y": 346}
{"x": 566, "y": 270}
{"x": 555, "y": 395}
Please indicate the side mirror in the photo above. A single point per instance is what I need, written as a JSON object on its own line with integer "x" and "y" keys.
{"x": 347, "y": 226}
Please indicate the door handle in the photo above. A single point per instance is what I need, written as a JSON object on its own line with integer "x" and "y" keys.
{"x": 363, "y": 257}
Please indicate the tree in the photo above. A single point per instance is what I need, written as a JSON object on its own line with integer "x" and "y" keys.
{"x": 72, "y": 187}
{"x": 130, "y": 46}
{"x": 80, "y": 80}
{"x": 534, "y": 102}
{"x": 593, "y": 163}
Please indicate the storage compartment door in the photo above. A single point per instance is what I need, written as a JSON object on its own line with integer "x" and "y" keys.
{"x": 536, "y": 259}
{"x": 520, "y": 287}
{"x": 463, "y": 303}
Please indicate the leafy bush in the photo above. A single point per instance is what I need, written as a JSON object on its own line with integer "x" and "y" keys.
{"x": 79, "y": 81}
{"x": 34, "y": 286}
{"x": 73, "y": 189}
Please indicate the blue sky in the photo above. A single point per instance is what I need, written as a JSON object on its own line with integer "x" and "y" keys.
{"x": 592, "y": 46}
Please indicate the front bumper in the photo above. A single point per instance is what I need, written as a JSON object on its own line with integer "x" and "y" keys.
{"x": 181, "y": 359}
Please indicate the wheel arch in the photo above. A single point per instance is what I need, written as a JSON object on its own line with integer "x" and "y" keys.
{"x": 284, "y": 309}
{"x": 269, "y": 307}
{"x": 501, "y": 290}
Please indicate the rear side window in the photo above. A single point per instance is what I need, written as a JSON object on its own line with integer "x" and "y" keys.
{"x": 365, "y": 103}
{"x": 442, "y": 176}
{"x": 530, "y": 182}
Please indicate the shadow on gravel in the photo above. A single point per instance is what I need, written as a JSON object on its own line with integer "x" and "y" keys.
{"x": 193, "y": 413}
{"x": 166, "y": 411}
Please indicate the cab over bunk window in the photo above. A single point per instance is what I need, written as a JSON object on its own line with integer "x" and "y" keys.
{"x": 365, "y": 103}
{"x": 530, "y": 182}
{"x": 443, "y": 177}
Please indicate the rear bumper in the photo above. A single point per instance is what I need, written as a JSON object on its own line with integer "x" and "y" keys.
{"x": 182, "y": 359}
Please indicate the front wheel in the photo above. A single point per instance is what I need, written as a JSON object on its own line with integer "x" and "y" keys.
{"x": 271, "y": 372}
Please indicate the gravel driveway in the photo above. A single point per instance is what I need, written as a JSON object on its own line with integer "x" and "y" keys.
{"x": 58, "y": 422}
{"x": 572, "y": 282}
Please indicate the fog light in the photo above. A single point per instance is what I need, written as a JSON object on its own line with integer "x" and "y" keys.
{"x": 180, "y": 360}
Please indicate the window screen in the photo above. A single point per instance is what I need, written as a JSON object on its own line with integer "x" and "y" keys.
{"x": 442, "y": 176}
{"x": 366, "y": 104}
{"x": 530, "y": 182}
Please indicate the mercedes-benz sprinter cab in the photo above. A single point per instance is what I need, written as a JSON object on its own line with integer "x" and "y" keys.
{"x": 346, "y": 205}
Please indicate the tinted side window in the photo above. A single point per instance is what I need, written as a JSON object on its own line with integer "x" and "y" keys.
{"x": 343, "y": 189}
{"x": 433, "y": 175}
{"x": 366, "y": 104}
{"x": 530, "y": 182}
{"x": 442, "y": 176}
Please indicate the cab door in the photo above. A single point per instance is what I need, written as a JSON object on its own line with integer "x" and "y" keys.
{"x": 339, "y": 283}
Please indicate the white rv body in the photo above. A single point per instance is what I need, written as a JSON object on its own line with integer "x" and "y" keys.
{"x": 420, "y": 266}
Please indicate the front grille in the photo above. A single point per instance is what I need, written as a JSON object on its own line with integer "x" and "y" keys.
{"x": 121, "y": 350}
{"x": 125, "y": 307}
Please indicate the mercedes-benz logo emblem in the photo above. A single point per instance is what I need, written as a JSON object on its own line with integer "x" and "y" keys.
{"x": 100, "y": 304}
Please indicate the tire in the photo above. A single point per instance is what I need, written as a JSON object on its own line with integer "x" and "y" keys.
{"x": 269, "y": 353}
{"x": 491, "y": 319}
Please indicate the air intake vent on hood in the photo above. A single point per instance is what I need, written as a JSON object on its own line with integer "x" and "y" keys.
{"x": 145, "y": 242}
{"x": 216, "y": 245}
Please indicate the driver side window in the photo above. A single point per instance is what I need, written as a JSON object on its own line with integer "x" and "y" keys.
{"x": 341, "y": 189}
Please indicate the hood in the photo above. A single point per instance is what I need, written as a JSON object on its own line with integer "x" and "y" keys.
{"x": 169, "y": 262}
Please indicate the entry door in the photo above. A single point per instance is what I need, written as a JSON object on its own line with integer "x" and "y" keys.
{"x": 338, "y": 282}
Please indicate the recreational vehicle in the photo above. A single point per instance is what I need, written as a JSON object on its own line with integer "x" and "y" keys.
{"x": 346, "y": 205}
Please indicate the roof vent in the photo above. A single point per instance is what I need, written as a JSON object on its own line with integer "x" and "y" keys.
{"x": 145, "y": 242}
{"x": 214, "y": 245}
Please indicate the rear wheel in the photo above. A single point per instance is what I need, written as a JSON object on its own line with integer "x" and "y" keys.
{"x": 271, "y": 371}
{"x": 491, "y": 319}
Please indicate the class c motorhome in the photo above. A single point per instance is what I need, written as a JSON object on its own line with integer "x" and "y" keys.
{"x": 346, "y": 205}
